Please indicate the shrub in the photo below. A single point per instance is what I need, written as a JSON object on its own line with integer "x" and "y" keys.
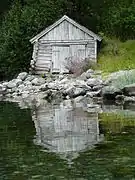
{"x": 77, "y": 65}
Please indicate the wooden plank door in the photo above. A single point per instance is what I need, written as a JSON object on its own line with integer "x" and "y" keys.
{"x": 64, "y": 55}
{"x": 60, "y": 55}
{"x": 55, "y": 59}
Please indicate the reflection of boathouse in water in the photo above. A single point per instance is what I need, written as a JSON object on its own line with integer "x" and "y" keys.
{"x": 64, "y": 130}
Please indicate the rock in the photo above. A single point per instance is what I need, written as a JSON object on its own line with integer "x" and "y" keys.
{"x": 129, "y": 90}
{"x": 119, "y": 98}
{"x": 67, "y": 97}
{"x": 98, "y": 100}
{"x": 25, "y": 94}
{"x": 94, "y": 82}
{"x": 69, "y": 91}
{"x": 83, "y": 76}
{"x": 94, "y": 93}
{"x": 38, "y": 81}
{"x": 74, "y": 92}
{"x": 5, "y": 84}
{"x": 30, "y": 78}
{"x": 86, "y": 75}
{"x": 67, "y": 103}
{"x": 14, "y": 94}
{"x": 110, "y": 92}
{"x": 79, "y": 92}
{"x": 61, "y": 77}
{"x": 64, "y": 81}
{"x": 114, "y": 76}
{"x": 14, "y": 83}
{"x": 90, "y": 71}
{"x": 120, "y": 78}
{"x": 2, "y": 89}
{"x": 27, "y": 83}
{"x": 93, "y": 108}
{"x": 129, "y": 99}
{"x": 44, "y": 87}
{"x": 97, "y": 87}
{"x": 22, "y": 76}
{"x": 14, "y": 90}
{"x": 53, "y": 86}
{"x": 78, "y": 99}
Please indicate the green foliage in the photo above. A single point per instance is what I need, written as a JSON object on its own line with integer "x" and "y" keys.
{"x": 19, "y": 26}
{"x": 117, "y": 55}
{"x": 114, "y": 122}
{"x": 23, "y": 19}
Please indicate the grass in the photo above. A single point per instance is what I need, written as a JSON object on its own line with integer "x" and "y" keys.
{"x": 116, "y": 122}
{"x": 117, "y": 55}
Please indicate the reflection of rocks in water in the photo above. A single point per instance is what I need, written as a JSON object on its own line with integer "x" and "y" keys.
{"x": 65, "y": 130}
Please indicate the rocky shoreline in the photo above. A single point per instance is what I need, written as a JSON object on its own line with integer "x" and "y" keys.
{"x": 89, "y": 88}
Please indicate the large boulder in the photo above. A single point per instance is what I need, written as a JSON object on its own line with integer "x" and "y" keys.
{"x": 74, "y": 92}
{"x": 110, "y": 92}
{"x": 121, "y": 78}
{"x": 14, "y": 83}
{"x": 129, "y": 90}
{"x": 22, "y": 76}
{"x": 94, "y": 82}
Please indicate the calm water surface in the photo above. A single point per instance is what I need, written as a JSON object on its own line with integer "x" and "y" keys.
{"x": 56, "y": 142}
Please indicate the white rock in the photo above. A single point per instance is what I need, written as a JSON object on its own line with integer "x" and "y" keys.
{"x": 94, "y": 82}
{"x": 27, "y": 83}
{"x": 5, "y": 84}
{"x": 22, "y": 76}
{"x": 129, "y": 99}
{"x": 79, "y": 98}
{"x": 79, "y": 91}
{"x": 38, "y": 81}
{"x": 52, "y": 85}
{"x": 25, "y": 94}
{"x": 29, "y": 78}
{"x": 74, "y": 92}
{"x": 21, "y": 86}
{"x": 14, "y": 83}
{"x": 64, "y": 81}
{"x": 89, "y": 73}
{"x": 93, "y": 93}
{"x": 2, "y": 89}
{"x": 44, "y": 87}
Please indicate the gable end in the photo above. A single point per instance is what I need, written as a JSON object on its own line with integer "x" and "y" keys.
{"x": 82, "y": 28}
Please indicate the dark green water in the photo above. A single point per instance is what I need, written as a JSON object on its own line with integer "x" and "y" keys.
{"x": 21, "y": 159}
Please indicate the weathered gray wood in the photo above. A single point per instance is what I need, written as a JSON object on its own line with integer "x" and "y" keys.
{"x": 62, "y": 25}
{"x": 68, "y": 32}
{"x": 63, "y": 130}
{"x": 63, "y": 40}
